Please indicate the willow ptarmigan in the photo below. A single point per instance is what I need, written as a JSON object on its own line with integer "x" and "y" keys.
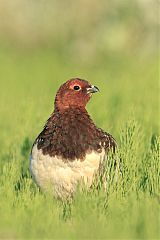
{"x": 70, "y": 148}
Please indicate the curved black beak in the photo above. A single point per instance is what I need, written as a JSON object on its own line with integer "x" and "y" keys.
{"x": 92, "y": 89}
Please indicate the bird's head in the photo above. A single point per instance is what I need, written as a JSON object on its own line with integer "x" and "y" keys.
{"x": 74, "y": 93}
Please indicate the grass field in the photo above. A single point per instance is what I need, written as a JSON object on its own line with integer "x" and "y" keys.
{"x": 127, "y": 107}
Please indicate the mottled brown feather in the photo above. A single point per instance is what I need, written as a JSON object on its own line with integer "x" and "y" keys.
{"x": 71, "y": 134}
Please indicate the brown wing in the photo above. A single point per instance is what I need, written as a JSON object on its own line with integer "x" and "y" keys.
{"x": 107, "y": 141}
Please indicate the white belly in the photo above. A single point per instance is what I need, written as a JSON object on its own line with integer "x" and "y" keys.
{"x": 62, "y": 177}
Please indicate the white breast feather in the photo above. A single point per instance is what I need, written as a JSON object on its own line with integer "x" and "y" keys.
{"x": 62, "y": 177}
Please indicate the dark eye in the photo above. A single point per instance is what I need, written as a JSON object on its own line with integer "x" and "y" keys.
{"x": 76, "y": 88}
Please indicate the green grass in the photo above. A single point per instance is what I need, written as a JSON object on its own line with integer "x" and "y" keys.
{"x": 127, "y": 107}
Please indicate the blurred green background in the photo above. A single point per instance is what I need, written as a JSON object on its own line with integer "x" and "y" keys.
{"x": 111, "y": 43}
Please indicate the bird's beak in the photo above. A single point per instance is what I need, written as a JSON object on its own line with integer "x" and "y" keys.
{"x": 92, "y": 89}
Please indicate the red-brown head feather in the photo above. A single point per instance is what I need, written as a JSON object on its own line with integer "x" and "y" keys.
{"x": 73, "y": 93}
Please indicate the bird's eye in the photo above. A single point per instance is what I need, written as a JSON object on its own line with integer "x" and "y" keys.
{"x": 76, "y": 88}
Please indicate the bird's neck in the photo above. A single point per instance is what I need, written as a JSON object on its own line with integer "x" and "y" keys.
{"x": 70, "y": 116}
{"x": 66, "y": 103}
{"x": 72, "y": 110}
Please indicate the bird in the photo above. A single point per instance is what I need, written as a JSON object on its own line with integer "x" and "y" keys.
{"x": 70, "y": 148}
